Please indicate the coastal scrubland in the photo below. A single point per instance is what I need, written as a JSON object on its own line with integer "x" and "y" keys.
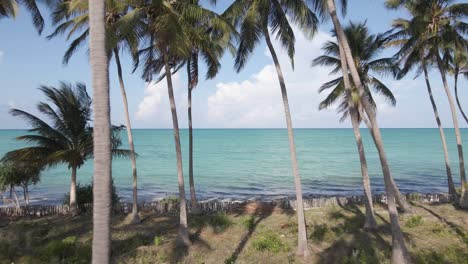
{"x": 258, "y": 233}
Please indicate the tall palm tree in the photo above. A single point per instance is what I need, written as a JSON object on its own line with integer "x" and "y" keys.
{"x": 259, "y": 19}
{"x": 417, "y": 57}
{"x": 399, "y": 250}
{"x": 365, "y": 49}
{"x": 67, "y": 138}
{"x": 168, "y": 43}
{"x": 102, "y": 133}
{"x": 123, "y": 31}
{"x": 458, "y": 65}
{"x": 439, "y": 26}
{"x": 209, "y": 38}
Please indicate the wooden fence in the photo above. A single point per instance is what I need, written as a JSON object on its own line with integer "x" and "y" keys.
{"x": 172, "y": 206}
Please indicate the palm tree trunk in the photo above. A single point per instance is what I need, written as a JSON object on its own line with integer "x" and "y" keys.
{"x": 73, "y": 205}
{"x": 102, "y": 134}
{"x": 193, "y": 196}
{"x": 399, "y": 251}
{"x": 464, "y": 195}
{"x": 451, "y": 186}
{"x": 399, "y": 197}
{"x": 456, "y": 97}
{"x": 183, "y": 225}
{"x": 370, "y": 222}
{"x": 134, "y": 216}
{"x": 302, "y": 248}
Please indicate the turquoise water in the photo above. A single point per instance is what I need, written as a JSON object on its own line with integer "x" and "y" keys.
{"x": 246, "y": 163}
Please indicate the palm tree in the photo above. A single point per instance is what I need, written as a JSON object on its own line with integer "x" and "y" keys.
{"x": 417, "y": 56}
{"x": 208, "y": 38}
{"x": 365, "y": 48}
{"x": 258, "y": 19}
{"x": 438, "y": 26}
{"x": 67, "y": 138}
{"x": 102, "y": 136}
{"x": 122, "y": 32}
{"x": 458, "y": 65}
{"x": 9, "y": 8}
{"x": 168, "y": 44}
{"x": 399, "y": 250}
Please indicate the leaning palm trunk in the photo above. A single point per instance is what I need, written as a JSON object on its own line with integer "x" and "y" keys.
{"x": 102, "y": 135}
{"x": 73, "y": 205}
{"x": 399, "y": 197}
{"x": 370, "y": 222}
{"x": 456, "y": 97}
{"x": 463, "y": 202}
{"x": 183, "y": 225}
{"x": 134, "y": 215}
{"x": 451, "y": 186}
{"x": 399, "y": 251}
{"x": 302, "y": 248}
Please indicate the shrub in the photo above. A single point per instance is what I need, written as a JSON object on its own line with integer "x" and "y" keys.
{"x": 414, "y": 221}
{"x": 269, "y": 242}
{"x": 220, "y": 222}
{"x": 158, "y": 240}
{"x": 320, "y": 232}
{"x": 249, "y": 223}
{"x": 84, "y": 195}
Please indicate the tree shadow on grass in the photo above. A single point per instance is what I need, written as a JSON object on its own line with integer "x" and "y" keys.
{"x": 353, "y": 244}
{"x": 458, "y": 229}
{"x": 258, "y": 212}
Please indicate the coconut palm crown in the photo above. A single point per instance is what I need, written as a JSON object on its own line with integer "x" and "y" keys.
{"x": 365, "y": 48}
{"x": 67, "y": 137}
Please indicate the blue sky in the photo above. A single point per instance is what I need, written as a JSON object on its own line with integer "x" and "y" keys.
{"x": 232, "y": 100}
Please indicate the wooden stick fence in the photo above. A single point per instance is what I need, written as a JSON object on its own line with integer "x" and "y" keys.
{"x": 214, "y": 206}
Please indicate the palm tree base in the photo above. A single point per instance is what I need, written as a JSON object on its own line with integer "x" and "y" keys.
{"x": 370, "y": 224}
{"x": 463, "y": 202}
{"x": 183, "y": 239}
{"x": 133, "y": 219}
{"x": 196, "y": 210}
{"x": 303, "y": 251}
{"x": 74, "y": 211}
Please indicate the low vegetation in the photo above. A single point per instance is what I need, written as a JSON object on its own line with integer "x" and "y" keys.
{"x": 435, "y": 233}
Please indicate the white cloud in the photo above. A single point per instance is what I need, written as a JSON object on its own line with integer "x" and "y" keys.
{"x": 154, "y": 110}
{"x": 1, "y": 55}
{"x": 257, "y": 101}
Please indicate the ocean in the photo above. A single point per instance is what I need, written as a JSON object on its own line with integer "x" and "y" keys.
{"x": 255, "y": 163}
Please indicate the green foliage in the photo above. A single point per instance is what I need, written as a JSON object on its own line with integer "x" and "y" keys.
{"x": 365, "y": 48}
{"x": 269, "y": 242}
{"x": 158, "y": 240}
{"x": 230, "y": 260}
{"x": 249, "y": 222}
{"x": 67, "y": 137}
{"x": 170, "y": 199}
{"x": 219, "y": 222}
{"x": 414, "y": 221}
{"x": 449, "y": 254}
{"x": 320, "y": 232}
{"x": 84, "y": 195}
{"x": 364, "y": 255}
{"x": 68, "y": 250}
{"x": 18, "y": 173}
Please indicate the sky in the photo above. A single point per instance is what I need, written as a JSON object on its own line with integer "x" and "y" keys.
{"x": 249, "y": 99}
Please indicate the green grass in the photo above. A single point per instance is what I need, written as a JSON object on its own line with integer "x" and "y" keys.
{"x": 335, "y": 234}
{"x": 269, "y": 242}
{"x": 414, "y": 221}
